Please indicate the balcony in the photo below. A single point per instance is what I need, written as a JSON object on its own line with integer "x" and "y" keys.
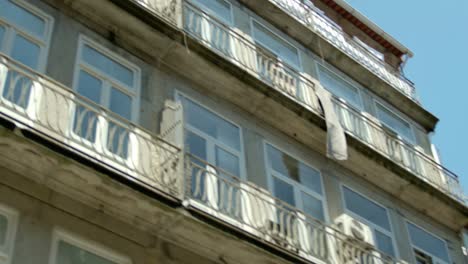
{"x": 256, "y": 212}
{"x": 316, "y": 21}
{"x": 58, "y": 114}
{"x": 251, "y": 57}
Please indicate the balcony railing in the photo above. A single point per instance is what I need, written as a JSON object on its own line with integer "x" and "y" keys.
{"x": 261, "y": 64}
{"x": 52, "y": 110}
{"x": 255, "y": 211}
{"x": 167, "y": 10}
{"x": 315, "y": 20}
{"x": 246, "y": 54}
{"x": 368, "y": 130}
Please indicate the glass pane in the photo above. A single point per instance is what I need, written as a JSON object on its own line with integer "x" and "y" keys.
{"x": 197, "y": 146}
{"x": 26, "y": 52}
{"x": 313, "y": 206}
{"x": 2, "y": 33}
{"x": 121, "y": 104}
{"x": 17, "y": 88}
{"x": 366, "y": 209}
{"x": 22, "y": 18}
{"x": 108, "y": 66}
{"x": 69, "y": 254}
{"x": 220, "y": 8}
{"x": 395, "y": 123}
{"x": 310, "y": 178}
{"x": 428, "y": 242}
{"x": 211, "y": 124}
{"x": 283, "y": 191}
{"x": 227, "y": 161}
{"x": 117, "y": 140}
{"x": 3, "y": 230}
{"x": 340, "y": 88}
{"x": 290, "y": 167}
{"x": 283, "y": 163}
{"x": 85, "y": 123}
{"x": 280, "y": 47}
{"x": 90, "y": 87}
{"x": 384, "y": 243}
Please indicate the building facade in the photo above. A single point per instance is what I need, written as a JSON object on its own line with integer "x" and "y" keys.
{"x": 215, "y": 131}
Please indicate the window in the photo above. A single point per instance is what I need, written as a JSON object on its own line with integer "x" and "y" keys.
{"x": 110, "y": 81}
{"x": 24, "y": 36}
{"x": 285, "y": 51}
{"x": 339, "y": 87}
{"x": 395, "y": 123}
{"x": 375, "y": 216}
{"x": 221, "y": 9}
{"x": 68, "y": 249}
{"x": 212, "y": 138}
{"x": 8, "y": 222}
{"x": 427, "y": 248}
{"x": 295, "y": 183}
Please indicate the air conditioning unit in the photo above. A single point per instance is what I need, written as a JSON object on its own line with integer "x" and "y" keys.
{"x": 355, "y": 230}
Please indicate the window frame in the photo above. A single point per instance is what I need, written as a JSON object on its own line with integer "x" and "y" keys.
{"x": 321, "y": 67}
{"x": 297, "y": 186}
{"x": 229, "y": 22}
{"x": 13, "y": 30}
{"x": 98, "y": 249}
{"x": 407, "y": 222}
{"x": 412, "y": 141}
{"x": 213, "y": 142}
{"x": 12, "y": 217}
{"x": 298, "y": 67}
{"x": 91, "y": 70}
{"x": 373, "y": 226}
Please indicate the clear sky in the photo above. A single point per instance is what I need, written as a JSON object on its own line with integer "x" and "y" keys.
{"x": 437, "y": 33}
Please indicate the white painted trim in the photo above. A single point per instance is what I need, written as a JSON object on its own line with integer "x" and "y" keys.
{"x": 298, "y": 187}
{"x": 299, "y": 58}
{"x": 407, "y": 221}
{"x": 60, "y": 234}
{"x": 374, "y": 226}
{"x": 211, "y": 158}
{"x": 12, "y": 216}
{"x": 208, "y": 10}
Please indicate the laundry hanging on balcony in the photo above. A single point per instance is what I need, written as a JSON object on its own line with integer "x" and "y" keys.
{"x": 336, "y": 140}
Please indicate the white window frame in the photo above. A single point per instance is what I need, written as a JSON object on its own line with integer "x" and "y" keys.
{"x": 320, "y": 67}
{"x": 13, "y": 30}
{"x": 281, "y": 60}
{"x": 297, "y": 186}
{"x": 411, "y": 140}
{"x": 407, "y": 222}
{"x": 81, "y": 65}
{"x": 373, "y": 226}
{"x": 60, "y": 234}
{"x": 207, "y": 9}
{"x": 212, "y": 142}
{"x": 12, "y": 216}
{"x": 102, "y": 124}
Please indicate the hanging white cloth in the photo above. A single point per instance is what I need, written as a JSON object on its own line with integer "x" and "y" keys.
{"x": 337, "y": 147}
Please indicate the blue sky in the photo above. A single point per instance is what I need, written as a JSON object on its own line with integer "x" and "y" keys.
{"x": 437, "y": 32}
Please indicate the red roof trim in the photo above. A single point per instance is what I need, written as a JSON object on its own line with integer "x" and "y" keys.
{"x": 355, "y": 21}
